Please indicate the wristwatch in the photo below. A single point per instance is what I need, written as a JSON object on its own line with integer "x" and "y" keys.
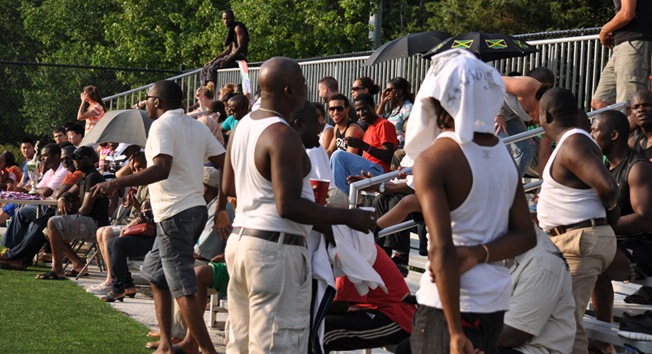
{"x": 381, "y": 189}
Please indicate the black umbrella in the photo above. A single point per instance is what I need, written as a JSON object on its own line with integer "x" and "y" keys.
{"x": 486, "y": 46}
{"x": 406, "y": 46}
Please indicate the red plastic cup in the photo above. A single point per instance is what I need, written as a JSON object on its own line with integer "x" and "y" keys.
{"x": 320, "y": 187}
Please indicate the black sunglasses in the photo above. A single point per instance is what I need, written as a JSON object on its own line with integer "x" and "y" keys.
{"x": 356, "y": 88}
{"x": 148, "y": 97}
{"x": 336, "y": 108}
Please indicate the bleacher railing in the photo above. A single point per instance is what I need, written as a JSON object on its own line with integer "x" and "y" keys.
{"x": 576, "y": 61}
{"x": 355, "y": 187}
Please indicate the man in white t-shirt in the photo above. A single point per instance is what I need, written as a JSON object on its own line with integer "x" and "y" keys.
{"x": 176, "y": 149}
{"x": 541, "y": 316}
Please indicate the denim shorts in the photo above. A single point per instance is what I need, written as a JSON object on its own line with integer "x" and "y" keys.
{"x": 170, "y": 264}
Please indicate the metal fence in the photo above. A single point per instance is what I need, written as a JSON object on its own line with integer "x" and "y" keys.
{"x": 36, "y": 97}
{"x": 577, "y": 62}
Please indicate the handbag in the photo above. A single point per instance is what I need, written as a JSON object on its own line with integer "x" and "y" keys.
{"x": 144, "y": 229}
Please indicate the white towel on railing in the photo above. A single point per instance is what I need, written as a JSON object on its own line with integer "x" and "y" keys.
{"x": 470, "y": 90}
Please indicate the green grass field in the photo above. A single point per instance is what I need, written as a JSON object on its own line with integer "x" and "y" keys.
{"x": 38, "y": 316}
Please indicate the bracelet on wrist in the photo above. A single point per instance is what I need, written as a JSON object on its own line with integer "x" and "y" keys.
{"x": 486, "y": 249}
{"x": 612, "y": 207}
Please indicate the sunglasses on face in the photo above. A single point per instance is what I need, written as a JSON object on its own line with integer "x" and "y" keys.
{"x": 336, "y": 108}
{"x": 356, "y": 88}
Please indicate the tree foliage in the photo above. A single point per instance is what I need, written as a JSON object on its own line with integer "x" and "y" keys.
{"x": 164, "y": 34}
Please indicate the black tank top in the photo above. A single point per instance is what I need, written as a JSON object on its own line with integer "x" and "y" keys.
{"x": 621, "y": 174}
{"x": 339, "y": 137}
{"x": 639, "y": 27}
{"x": 641, "y": 150}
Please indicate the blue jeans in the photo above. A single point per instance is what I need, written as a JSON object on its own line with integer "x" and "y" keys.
{"x": 170, "y": 264}
{"x": 32, "y": 238}
{"x": 19, "y": 225}
{"x": 345, "y": 164}
{"x": 523, "y": 151}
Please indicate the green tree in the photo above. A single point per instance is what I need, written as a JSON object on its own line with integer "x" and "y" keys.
{"x": 403, "y": 17}
{"x": 304, "y": 28}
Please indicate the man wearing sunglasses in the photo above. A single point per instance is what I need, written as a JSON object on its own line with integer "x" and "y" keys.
{"x": 338, "y": 108}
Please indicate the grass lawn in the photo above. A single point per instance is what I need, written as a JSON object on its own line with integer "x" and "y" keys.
{"x": 39, "y": 316}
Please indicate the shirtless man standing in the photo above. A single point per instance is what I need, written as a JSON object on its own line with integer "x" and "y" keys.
{"x": 577, "y": 203}
{"x": 267, "y": 169}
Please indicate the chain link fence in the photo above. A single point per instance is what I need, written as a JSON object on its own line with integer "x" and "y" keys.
{"x": 36, "y": 97}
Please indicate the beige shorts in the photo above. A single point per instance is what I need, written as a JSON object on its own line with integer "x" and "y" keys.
{"x": 589, "y": 252}
{"x": 627, "y": 72}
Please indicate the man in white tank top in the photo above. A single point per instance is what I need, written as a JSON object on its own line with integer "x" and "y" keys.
{"x": 577, "y": 203}
{"x": 267, "y": 169}
{"x": 475, "y": 209}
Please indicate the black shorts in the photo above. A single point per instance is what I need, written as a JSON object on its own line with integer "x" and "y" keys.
{"x": 638, "y": 250}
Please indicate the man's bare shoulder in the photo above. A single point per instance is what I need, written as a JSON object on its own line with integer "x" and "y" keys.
{"x": 640, "y": 173}
{"x": 354, "y": 130}
{"x": 579, "y": 145}
{"x": 280, "y": 136}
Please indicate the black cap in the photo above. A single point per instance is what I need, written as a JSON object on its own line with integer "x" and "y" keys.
{"x": 82, "y": 151}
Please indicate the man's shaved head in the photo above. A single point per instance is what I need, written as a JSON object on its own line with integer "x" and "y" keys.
{"x": 282, "y": 79}
{"x": 169, "y": 92}
{"x": 644, "y": 95}
{"x": 560, "y": 103}
{"x": 615, "y": 120}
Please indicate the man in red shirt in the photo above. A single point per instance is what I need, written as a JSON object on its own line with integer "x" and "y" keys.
{"x": 373, "y": 320}
{"x": 378, "y": 145}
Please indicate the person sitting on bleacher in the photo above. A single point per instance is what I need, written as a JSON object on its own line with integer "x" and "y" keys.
{"x": 374, "y": 320}
{"x": 92, "y": 214}
{"x": 633, "y": 172}
{"x": 378, "y": 145}
{"x": 25, "y": 231}
{"x": 541, "y": 316}
{"x": 105, "y": 234}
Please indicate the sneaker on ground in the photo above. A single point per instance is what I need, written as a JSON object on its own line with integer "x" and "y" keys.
{"x": 637, "y": 327}
{"x": 99, "y": 289}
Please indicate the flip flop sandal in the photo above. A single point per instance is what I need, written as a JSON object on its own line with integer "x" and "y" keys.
{"x": 50, "y": 275}
{"x": 110, "y": 298}
{"x": 641, "y": 296}
{"x": 73, "y": 273}
{"x": 177, "y": 349}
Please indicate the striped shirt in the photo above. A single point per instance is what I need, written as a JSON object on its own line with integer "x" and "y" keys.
{"x": 98, "y": 111}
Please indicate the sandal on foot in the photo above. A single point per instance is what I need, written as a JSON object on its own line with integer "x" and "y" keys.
{"x": 154, "y": 334}
{"x": 641, "y": 296}
{"x": 177, "y": 349}
{"x": 73, "y": 273}
{"x": 50, "y": 275}
{"x": 154, "y": 345}
{"x": 111, "y": 298}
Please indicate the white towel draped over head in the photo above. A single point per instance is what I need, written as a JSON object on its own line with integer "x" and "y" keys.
{"x": 467, "y": 88}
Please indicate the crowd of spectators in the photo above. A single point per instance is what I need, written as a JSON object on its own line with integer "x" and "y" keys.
{"x": 227, "y": 195}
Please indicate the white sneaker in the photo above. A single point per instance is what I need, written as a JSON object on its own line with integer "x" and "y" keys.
{"x": 99, "y": 289}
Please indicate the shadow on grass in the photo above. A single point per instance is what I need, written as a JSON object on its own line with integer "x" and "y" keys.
{"x": 57, "y": 316}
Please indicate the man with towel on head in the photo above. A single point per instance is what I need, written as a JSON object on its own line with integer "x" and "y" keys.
{"x": 473, "y": 204}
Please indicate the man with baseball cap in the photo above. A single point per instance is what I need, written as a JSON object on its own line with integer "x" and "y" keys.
{"x": 92, "y": 214}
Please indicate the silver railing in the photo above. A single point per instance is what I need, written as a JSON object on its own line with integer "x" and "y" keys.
{"x": 355, "y": 187}
{"x": 576, "y": 61}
